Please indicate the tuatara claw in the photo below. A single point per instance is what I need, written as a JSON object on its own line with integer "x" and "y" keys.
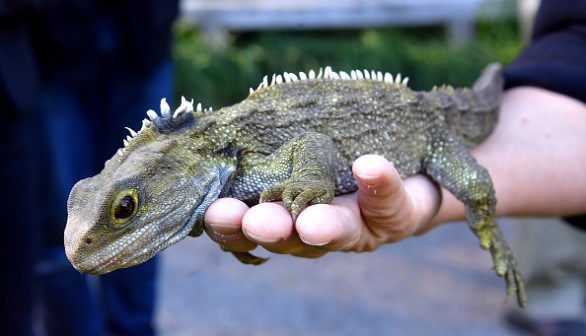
{"x": 272, "y": 193}
{"x": 246, "y": 257}
{"x": 506, "y": 266}
{"x": 515, "y": 286}
{"x": 298, "y": 194}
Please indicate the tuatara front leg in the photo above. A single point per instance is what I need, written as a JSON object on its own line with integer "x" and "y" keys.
{"x": 311, "y": 159}
{"x": 301, "y": 172}
{"x": 452, "y": 166}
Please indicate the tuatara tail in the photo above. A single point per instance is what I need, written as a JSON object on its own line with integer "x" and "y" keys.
{"x": 491, "y": 82}
{"x": 473, "y": 113}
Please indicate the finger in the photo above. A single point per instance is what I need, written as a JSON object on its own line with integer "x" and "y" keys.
{"x": 380, "y": 187}
{"x": 331, "y": 227}
{"x": 426, "y": 198}
{"x": 223, "y": 224}
{"x": 271, "y": 225}
{"x": 383, "y": 201}
{"x": 391, "y": 207}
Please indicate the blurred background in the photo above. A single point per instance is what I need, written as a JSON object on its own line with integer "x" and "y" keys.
{"x": 224, "y": 47}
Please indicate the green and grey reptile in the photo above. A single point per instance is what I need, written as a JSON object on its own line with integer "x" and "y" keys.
{"x": 293, "y": 138}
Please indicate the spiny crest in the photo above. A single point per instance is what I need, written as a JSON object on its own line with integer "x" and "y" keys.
{"x": 165, "y": 123}
{"x": 444, "y": 87}
{"x": 328, "y": 73}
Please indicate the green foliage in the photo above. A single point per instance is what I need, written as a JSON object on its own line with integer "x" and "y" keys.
{"x": 222, "y": 77}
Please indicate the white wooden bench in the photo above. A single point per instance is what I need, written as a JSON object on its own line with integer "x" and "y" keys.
{"x": 217, "y": 17}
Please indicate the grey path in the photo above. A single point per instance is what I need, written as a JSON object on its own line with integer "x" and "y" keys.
{"x": 438, "y": 284}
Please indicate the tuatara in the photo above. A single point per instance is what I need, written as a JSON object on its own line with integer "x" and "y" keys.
{"x": 293, "y": 138}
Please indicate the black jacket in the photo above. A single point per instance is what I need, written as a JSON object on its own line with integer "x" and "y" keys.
{"x": 556, "y": 57}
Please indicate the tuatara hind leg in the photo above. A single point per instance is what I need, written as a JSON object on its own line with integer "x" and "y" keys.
{"x": 450, "y": 164}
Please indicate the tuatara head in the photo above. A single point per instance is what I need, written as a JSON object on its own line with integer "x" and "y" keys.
{"x": 149, "y": 196}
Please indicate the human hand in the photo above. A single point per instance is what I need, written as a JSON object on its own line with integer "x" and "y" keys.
{"x": 384, "y": 209}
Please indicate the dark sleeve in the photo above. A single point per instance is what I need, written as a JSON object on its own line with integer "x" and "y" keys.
{"x": 556, "y": 57}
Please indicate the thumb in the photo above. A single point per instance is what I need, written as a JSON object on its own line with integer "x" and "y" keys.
{"x": 393, "y": 208}
{"x": 380, "y": 185}
{"x": 383, "y": 201}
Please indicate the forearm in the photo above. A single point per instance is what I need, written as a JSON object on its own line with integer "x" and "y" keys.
{"x": 536, "y": 157}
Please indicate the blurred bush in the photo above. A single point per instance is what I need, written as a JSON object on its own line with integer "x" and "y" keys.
{"x": 220, "y": 78}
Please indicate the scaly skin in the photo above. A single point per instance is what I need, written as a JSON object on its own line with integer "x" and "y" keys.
{"x": 294, "y": 139}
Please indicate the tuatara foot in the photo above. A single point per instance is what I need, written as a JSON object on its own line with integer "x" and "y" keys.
{"x": 297, "y": 194}
{"x": 505, "y": 264}
{"x": 247, "y": 257}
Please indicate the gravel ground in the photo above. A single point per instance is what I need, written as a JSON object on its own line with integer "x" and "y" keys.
{"x": 438, "y": 284}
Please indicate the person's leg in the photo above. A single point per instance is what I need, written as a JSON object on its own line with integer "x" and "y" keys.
{"x": 129, "y": 295}
{"x": 128, "y": 298}
{"x": 68, "y": 307}
{"x": 19, "y": 221}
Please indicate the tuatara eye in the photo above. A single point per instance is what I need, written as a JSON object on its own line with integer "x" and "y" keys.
{"x": 124, "y": 208}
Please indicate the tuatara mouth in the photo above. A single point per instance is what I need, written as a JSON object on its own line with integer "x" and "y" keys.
{"x": 121, "y": 260}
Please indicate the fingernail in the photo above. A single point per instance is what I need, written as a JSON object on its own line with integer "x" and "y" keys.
{"x": 313, "y": 243}
{"x": 264, "y": 240}
{"x": 371, "y": 188}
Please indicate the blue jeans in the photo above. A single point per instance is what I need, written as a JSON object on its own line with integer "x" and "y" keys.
{"x": 19, "y": 223}
{"x": 82, "y": 126}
